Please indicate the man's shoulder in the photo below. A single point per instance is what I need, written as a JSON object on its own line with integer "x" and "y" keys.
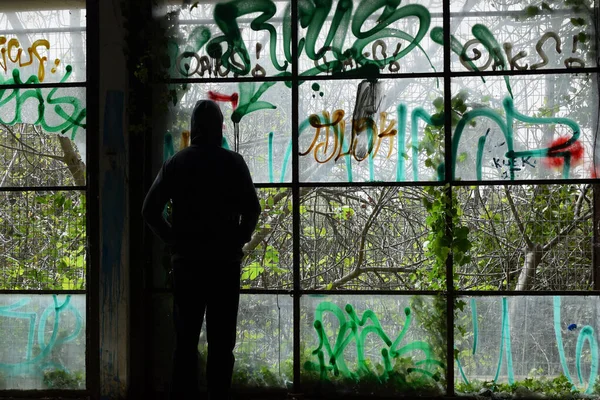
{"x": 232, "y": 154}
{"x": 195, "y": 153}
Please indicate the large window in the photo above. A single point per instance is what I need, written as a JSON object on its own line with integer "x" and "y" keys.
{"x": 43, "y": 236}
{"x": 427, "y": 172}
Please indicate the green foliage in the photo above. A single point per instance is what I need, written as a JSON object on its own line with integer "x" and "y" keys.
{"x": 60, "y": 379}
{"x": 447, "y": 235}
{"x": 402, "y": 379}
{"x": 543, "y": 387}
{"x": 48, "y": 247}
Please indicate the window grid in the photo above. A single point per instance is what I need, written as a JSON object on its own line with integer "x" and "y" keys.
{"x": 296, "y": 185}
{"x": 89, "y": 276}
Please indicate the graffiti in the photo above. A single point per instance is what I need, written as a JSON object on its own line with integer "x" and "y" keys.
{"x": 345, "y": 345}
{"x": 68, "y": 109}
{"x": 34, "y": 364}
{"x": 334, "y": 139}
{"x": 227, "y": 53}
{"x": 12, "y": 53}
{"x": 505, "y": 351}
{"x": 373, "y": 27}
{"x": 376, "y": 133}
{"x": 558, "y": 150}
{"x": 355, "y": 329}
{"x": 329, "y": 144}
{"x": 243, "y": 103}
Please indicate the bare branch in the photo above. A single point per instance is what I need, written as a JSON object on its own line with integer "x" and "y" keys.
{"x": 59, "y": 158}
{"x": 580, "y": 199}
{"x": 357, "y": 272}
{"x": 530, "y": 244}
{"x": 564, "y": 232}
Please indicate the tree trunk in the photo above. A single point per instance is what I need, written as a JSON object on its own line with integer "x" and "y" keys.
{"x": 73, "y": 161}
{"x": 533, "y": 257}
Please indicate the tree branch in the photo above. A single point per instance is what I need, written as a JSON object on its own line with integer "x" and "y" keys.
{"x": 359, "y": 271}
{"x": 580, "y": 199}
{"x": 9, "y": 168}
{"x": 59, "y": 158}
{"x": 513, "y": 209}
{"x": 565, "y": 231}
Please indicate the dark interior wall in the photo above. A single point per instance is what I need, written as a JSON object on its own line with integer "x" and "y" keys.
{"x": 114, "y": 291}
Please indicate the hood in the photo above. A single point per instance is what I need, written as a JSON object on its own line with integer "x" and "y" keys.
{"x": 207, "y": 123}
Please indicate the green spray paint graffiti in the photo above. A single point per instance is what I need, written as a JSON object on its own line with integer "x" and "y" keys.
{"x": 369, "y": 23}
{"x": 332, "y": 358}
{"x": 352, "y": 40}
{"x": 67, "y": 109}
{"x": 505, "y": 122}
{"x": 35, "y": 364}
{"x": 505, "y": 348}
{"x": 355, "y": 329}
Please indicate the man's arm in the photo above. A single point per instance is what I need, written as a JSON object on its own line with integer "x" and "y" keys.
{"x": 154, "y": 205}
{"x": 249, "y": 204}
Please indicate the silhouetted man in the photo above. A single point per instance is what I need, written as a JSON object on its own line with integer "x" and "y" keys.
{"x": 214, "y": 212}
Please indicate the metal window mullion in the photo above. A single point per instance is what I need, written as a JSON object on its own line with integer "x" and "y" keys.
{"x": 516, "y": 72}
{"x": 40, "y": 291}
{"x": 43, "y": 189}
{"x": 448, "y": 178}
{"x": 515, "y": 293}
{"x": 524, "y": 182}
{"x": 92, "y": 354}
{"x": 411, "y": 75}
{"x": 461, "y": 183}
{"x": 296, "y": 293}
{"x": 596, "y": 237}
{"x": 78, "y": 84}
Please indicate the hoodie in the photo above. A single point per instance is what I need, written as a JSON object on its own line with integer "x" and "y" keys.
{"x": 214, "y": 204}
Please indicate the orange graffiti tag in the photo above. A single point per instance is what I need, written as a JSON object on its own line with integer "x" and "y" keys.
{"x": 328, "y": 140}
{"x": 11, "y": 52}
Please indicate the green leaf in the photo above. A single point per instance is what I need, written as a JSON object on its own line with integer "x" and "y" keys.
{"x": 252, "y": 271}
{"x": 532, "y": 11}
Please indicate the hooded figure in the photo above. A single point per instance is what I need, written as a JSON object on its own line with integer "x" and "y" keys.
{"x": 214, "y": 212}
{"x": 207, "y": 124}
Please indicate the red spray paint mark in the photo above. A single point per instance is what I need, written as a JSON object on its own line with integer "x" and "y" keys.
{"x": 555, "y": 158}
{"x": 220, "y": 97}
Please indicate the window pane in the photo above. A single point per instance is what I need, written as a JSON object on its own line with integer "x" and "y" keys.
{"x": 30, "y": 156}
{"x": 268, "y": 261}
{"x": 255, "y": 44}
{"x": 549, "y": 125}
{"x": 365, "y": 238}
{"x": 369, "y": 37}
{"x": 527, "y": 35}
{"x": 373, "y": 344}
{"x": 260, "y": 113}
{"x": 358, "y": 131}
{"x": 42, "y": 240}
{"x": 42, "y": 46}
{"x": 527, "y": 346}
{"x": 42, "y": 345}
{"x": 264, "y": 344}
{"x": 527, "y": 237}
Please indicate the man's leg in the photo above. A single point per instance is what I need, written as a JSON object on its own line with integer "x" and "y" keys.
{"x": 189, "y": 304}
{"x": 221, "y": 324}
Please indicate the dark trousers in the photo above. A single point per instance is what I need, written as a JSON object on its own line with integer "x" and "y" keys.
{"x": 213, "y": 287}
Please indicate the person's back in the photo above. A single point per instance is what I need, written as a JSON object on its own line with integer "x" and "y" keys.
{"x": 214, "y": 212}
{"x": 211, "y": 191}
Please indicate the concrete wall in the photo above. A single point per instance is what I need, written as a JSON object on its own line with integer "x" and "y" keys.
{"x": 114, "y": 212}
